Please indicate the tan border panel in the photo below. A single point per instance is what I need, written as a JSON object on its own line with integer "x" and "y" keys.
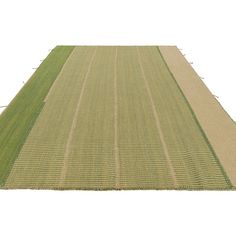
{"x": 219, "y": 128}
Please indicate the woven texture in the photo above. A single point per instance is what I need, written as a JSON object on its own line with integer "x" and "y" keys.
{"x": 114, "y": 118}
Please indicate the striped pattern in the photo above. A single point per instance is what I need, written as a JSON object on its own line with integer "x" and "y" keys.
{"x": 116, "y": 119}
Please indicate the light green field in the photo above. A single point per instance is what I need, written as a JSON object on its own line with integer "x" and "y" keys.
{"x": 115, "y": 118}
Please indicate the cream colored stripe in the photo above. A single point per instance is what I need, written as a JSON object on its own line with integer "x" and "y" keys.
{"x": 117, "y": 160}
{"x": 158, "y": 125}
{"x": 58, "y": 76}
{"x": 73, "y": 125}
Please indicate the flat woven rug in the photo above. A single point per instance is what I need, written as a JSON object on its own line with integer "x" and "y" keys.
{"x": 116, "y": 118}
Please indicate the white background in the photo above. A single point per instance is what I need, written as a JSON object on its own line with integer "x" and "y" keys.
{"x": 204, "y": 29}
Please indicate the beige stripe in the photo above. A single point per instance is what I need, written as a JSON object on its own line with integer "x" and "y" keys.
{"x": 158, "y": 125}
{"x": 219, "y": 128}
{"x": 70, "y": 137}
{"x": 117, "y": 160}
{"x": 58, "y": 76}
